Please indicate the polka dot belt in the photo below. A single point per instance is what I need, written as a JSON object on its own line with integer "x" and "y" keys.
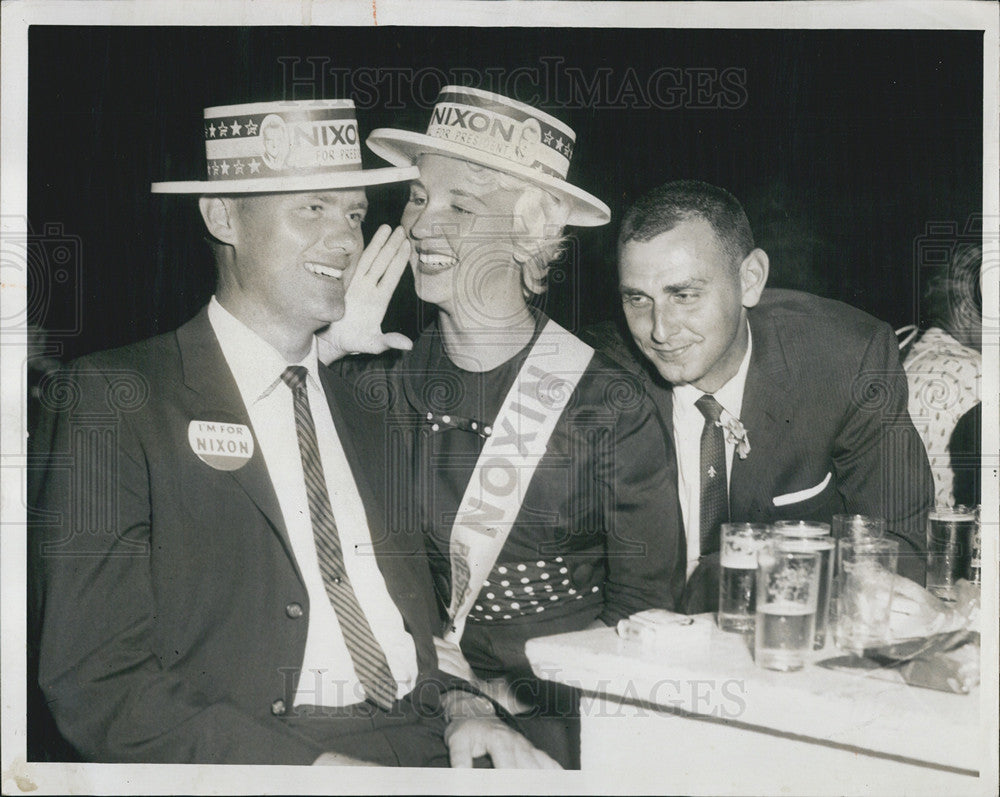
{"x": 515, "y": 589}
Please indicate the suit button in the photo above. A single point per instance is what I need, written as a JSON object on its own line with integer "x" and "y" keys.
{"x": 294, "y": 610}
{"x": 278, "y": 707}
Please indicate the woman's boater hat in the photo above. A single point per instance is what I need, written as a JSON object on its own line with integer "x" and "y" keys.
{"x": 276, "y": 147}
{"x": 503, "y": 134}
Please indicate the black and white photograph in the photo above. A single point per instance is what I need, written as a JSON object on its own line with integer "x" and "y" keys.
{"x": 602, "y": 396}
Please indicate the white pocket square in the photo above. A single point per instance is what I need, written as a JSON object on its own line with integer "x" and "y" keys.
{"x": 801, "y": 495}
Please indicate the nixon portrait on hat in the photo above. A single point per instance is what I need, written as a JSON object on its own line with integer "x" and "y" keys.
{"x": 272, "y": 128}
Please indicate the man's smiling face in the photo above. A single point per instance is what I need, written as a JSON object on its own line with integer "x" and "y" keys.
{"x": 294, "y": 254}
{"x": 685, "y": 302}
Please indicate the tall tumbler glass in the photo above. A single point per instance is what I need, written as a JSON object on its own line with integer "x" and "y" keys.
{"x": 855, "y": 527}
{"x": 866, "y": 570}
{"x": 950, "y": 539}
{"x": 787, "y": 590}
{"x": 738, "y": 574}
{"x": 800, "y": 535}
{"x": 851, "y": 527}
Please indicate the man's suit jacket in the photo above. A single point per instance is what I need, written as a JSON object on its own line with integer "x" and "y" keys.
{"x": 169, "y": 631}
{"x": 825, "y": 409}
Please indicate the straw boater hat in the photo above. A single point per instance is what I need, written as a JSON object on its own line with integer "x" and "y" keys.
{"x": 275, "y": 147}
{"x": 500, "y": 133}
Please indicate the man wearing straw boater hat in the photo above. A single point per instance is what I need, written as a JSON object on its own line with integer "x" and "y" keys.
{"x": 219, "y": 586}
{"x": 544, "y": 486}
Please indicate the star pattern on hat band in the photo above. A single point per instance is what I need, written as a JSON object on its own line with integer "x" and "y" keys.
{"x": 231, "y": 130}
{"x": 237, "y": 165}
{"x": 565, "y": 147}
{"x": 281, "y": 145}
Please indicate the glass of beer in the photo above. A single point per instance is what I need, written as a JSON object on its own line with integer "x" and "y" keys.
{"x": 866, "y": 570}
{"x": 801, "y": 535}
{"x": 738, "y": 577}
{"x": 950, "y": 540}
{"x": 787, "y": 591}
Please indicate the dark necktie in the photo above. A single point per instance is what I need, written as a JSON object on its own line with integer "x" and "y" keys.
{"x": 370, "y": 663}
{"x": 714, "y": 493}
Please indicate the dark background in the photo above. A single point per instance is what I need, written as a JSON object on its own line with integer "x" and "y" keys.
{"x": 844, "y": 146}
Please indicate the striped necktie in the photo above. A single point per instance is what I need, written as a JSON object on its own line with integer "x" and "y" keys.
{"x": 714, "y": 492}
{"x": 369, "y": 660}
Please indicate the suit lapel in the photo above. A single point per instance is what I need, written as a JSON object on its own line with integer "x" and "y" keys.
{"x": 663, "y": 398}
{"x": 766, "y": 415}
{"x": 207, "y": 373}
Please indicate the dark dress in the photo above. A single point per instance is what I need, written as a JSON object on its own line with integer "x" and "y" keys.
{"x": 598, "y": 535}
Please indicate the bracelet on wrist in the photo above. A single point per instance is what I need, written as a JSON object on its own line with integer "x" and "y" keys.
{"x": 466, "y": 705}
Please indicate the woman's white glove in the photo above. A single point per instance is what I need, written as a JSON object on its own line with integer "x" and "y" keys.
{"x": 916, "y": 612}
{"x": 366, "y": 299}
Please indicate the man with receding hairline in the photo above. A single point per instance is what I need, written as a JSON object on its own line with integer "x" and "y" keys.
{"x": 782, "y": 405}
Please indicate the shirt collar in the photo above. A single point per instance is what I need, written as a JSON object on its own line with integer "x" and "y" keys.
{"x": 729, "y": 396}
{"x": 256, "y": 365}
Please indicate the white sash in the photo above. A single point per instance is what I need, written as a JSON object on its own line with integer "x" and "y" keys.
{"x": 507, "y": 463}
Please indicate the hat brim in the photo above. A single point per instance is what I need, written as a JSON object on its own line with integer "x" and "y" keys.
{"x": 403, "y": 147}
{"x": 279, "y": 185}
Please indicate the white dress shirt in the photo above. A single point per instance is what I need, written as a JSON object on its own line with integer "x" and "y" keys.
{"x": 328, "y": 677}
{"x": 688, "y": 426}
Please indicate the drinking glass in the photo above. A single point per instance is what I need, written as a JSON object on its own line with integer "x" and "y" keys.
{"x": 787, "y": 590}
{"x": 738, "y": 576}
{"x": 858, "y": 526}
{"x": 866, "y": 569}
{"x": 950, "y": 540}
{"x": 799, "y": 535}
{"x": 852, "y": 527}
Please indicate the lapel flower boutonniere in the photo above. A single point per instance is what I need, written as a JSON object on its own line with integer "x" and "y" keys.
{"x": 735, "y": 434}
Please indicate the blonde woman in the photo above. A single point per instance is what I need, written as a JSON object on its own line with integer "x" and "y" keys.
{"x": 536, "y": 471}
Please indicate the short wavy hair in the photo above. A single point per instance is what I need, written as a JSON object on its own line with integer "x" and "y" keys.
{"x": 544, "y": 218}
{"x": 666, "y": 206}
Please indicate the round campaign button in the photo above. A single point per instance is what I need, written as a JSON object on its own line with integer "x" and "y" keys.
{"x": 221, "y": 445}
